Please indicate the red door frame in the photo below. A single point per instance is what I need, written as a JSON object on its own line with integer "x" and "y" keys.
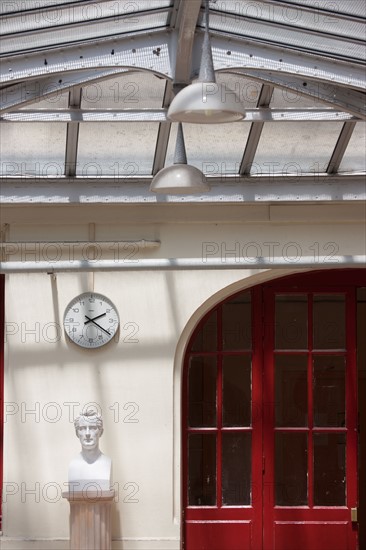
{"x": 2, "y": 335}
{"x": 331, "y": 281}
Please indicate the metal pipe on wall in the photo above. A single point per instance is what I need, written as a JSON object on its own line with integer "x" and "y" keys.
{"x": 171, "y": 264}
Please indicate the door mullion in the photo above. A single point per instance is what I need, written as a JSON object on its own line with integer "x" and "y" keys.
{"x": 351, "y": 401}
{"x": 219, "y": 413}
{"x": 310, "y": 404}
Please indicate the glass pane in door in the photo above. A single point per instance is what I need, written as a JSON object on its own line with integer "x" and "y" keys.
{"x": 236, "y": 383}
{"x": 291, "y": 469}
{"x": 202, "y": 469}
{"x": 329, "y": 321}
{"x": 329, "y": 469}
{"x": 329, "y": 394}
{"x": 291, "y": 390}
{"x": 236, "y": 468}
{"x": 236, "y": 323}
{"x": 291, "y": 318}
{"x": 202, "y": 374}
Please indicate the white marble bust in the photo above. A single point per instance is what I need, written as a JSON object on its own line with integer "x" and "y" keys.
{"x": 90, "y": 469}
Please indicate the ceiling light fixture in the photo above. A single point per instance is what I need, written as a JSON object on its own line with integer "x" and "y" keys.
{"x": 180, "y": 178}
{"x": 205, "y": 101}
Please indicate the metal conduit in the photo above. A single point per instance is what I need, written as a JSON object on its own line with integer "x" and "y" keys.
{"x": 171, "y": 264}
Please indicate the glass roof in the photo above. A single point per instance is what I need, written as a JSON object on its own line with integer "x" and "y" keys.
{"x": 99, "y": 123}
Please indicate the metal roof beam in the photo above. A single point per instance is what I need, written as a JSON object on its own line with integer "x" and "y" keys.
{"x": 32, "y": 91}
{"x": 187, "y": 17}
{"x": 338, "y": 97}
{"x": 255, "y": 132}
{"x": 257, "y": 115}
{"x": 341, "y": 146}
{"x": 143, "y": 50}
{"x": 163, "y": 133}
{"x": 162, "y": 140}
{"x": 72, "y": 134}
{"x": 224, "y": 189}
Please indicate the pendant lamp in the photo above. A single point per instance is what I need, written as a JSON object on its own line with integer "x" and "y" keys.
{"x": 205, "y": 101}
{"x": 179, "y": 178}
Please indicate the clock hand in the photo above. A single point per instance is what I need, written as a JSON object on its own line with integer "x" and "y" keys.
{"x": 96, "y": 324}
{"x": 91, "y": 320}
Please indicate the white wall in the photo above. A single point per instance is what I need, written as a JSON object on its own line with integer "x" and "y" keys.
{"x": 136, "y": 378}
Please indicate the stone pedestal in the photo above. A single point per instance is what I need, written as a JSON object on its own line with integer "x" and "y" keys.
{"x": 90, "y": 519}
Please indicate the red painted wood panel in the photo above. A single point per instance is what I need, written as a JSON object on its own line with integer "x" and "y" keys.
{"x": 312, "y": 536}
{"x": 221, "y": 535}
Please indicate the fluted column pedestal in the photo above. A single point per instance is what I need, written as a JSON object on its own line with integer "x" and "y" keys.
{"x": 90, "y": 519}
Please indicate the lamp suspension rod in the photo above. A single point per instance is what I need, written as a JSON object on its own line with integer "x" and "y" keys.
{"x": 180, "y": 155}
{"x": 207, "y": 71}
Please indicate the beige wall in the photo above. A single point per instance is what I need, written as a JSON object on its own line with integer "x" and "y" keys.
{"x": 135, "y": 380}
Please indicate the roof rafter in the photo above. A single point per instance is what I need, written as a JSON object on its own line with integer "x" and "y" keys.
{"x": 341, "y": 146}
{"x": 76, "y": 115}
{"x": 31, "y": 91}
{"x": 72, "y": 134}
{"x": 187, "y": 17}
{"x": 351, "y": 101}
{"x": 255, "y": 132}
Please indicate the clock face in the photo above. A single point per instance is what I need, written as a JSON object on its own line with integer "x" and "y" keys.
{"x": 91, "y": 320}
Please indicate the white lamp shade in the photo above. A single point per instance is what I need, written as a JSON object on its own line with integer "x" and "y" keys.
{"x": 206, "y": 103}
{"x": 179, "y": 179}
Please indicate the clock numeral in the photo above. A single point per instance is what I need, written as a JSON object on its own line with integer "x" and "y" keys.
{"x": 91, "y": 340}
{"x": 75, "y": 309}
{"x": 71, "y": 320}
{"x": 108, "y": 310}
{"x": 92, "y": 300}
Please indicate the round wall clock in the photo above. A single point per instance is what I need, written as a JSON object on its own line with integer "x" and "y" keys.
{"x": 91, "y": 320}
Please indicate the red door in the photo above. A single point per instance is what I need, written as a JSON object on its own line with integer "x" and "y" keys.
{"x": 269, "y": 423}
{"x": 223, "y": 432}
{"x": 310, "y": 425}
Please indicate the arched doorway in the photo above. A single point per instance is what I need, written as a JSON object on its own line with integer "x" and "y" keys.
{"x": 270, "y": 429}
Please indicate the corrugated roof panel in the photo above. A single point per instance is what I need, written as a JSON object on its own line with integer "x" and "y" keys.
{"x": 292, "y": 37}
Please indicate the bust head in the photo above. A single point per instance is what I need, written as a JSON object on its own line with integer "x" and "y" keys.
{"x": 89, "y": 428}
